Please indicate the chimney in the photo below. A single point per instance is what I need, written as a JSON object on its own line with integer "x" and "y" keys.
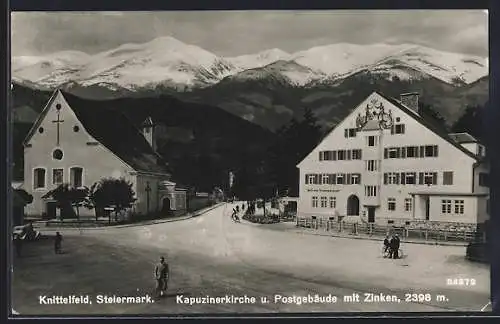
{"x": 410, "y": 100}
{"x": 148, "y": 132}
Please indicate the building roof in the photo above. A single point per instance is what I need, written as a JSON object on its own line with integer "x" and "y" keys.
{"x": 437, "y": 130}
{"x": 463, "y": 138}
{"x": 116, "y": 132}
{"x": 372, "y": 125}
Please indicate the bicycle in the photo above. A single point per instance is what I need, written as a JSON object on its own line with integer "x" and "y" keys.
{"x": 386, "y": 253}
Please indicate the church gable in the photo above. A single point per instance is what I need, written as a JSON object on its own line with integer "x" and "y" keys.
{"x": 57, "y": 124}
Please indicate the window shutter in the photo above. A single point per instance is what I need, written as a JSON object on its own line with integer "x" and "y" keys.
{"x": 386, "y": 153}
{"x": 435, "y": 150}
{"x": 403, "y": 152}
{"x": 398, "y": 152}
{"x": 334, "y": 155}
{"x": 422, "y": 151}
{"x": 402, "y": 128}
{"x": 316, "y": 179}
{"x": 421, "y": 178}
{"x": 348, "y": 179}
{"x": 397, "y": 178}
{"x": 349, "y": 154}
{"x": 321, "y": 156}
{"x": 385, "y": 178}
{"x": 392, "y": 129}
{"x": 346, "y": 133}
{"x": 360, "y": 155}
{"x": 403, "y": 178}
{"x": 334, "y": 179}
{"x": 434, "y": 178}
{"x": 307, "y": 176}
{"x": 330, "y": 179}
{"x": 359, "y": 178}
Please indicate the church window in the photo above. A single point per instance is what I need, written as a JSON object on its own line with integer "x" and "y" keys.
{"x": 40, "y": 130}
{"x": 76, "y": 177}
{"x": 38, "y": 178}
{"x": 57, "y": 176}
{"x": 76, "y": 128}
{"x": 57, "y": 154}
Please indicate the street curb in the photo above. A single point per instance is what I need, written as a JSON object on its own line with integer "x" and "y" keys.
{"x": 145, "y": 223}
{"x": 379, "y": 239}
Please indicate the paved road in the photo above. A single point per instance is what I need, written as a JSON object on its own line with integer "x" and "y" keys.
{"x": 212, "y": 256}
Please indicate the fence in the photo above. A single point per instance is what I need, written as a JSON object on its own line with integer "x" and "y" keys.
{"x": 427, "y": 234}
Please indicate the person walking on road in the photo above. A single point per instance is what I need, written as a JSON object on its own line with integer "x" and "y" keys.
{"x": 57, "y": 243}
{"x": 162, "y": 273}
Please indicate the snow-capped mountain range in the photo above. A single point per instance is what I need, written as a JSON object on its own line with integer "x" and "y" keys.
{"x": 168, "y": 62}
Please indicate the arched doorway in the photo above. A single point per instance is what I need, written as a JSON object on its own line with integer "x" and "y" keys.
{"x": 353, "y": 206}
{"x": 165, "y": 205}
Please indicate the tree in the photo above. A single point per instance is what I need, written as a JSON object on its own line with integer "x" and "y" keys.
{"x": 67, "y": 198}
{"x": 111, "y": 192}
{"x": 470, "y": 122}
{"x": 431, "y": 115}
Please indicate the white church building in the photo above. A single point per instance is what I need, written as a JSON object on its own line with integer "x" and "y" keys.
{"x": 80, "y": 142}
{"x": 385, "y": 164}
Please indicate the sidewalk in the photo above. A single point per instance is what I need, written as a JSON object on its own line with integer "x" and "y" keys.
{"x": 41, "y": 224}
{"x": 290, "y": 227}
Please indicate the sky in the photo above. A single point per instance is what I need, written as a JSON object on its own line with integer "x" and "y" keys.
{"x": 233, "y": 33}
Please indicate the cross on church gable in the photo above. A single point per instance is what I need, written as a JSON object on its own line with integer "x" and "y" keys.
{"x": 58, "y": 122}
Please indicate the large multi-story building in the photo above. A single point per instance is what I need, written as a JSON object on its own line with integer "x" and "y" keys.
{"x": 386, "y": 164}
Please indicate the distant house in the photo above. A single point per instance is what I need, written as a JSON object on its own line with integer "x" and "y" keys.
{"x": 386, "y": 164}
{"x": 74, "y": 142}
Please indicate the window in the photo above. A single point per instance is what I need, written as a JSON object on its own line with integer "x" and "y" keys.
{"x": 371, "y": 191}
{"x": 76, "y": 128}
{"x": 341, "y": 155}
{"x": 76, "y": 177}
{"x": 392, "y": 178}
{"x": 333, "y": 202}
{"x": 371, "y": 165}
{"x": 431, "y": 150}
{"x": 38, "y": 178}
{"x": 410, "y": 178}
{"x": 408, "y": 204}
{"x": 57, "y": 154}
{"x": 483, "y": 179}
{"x": 392, "y": 152}
{"x": 355, "y": 178}
{"x": 446, "y": 206}
{"x": 340, "y": 178}
{"x": 57, "y": 176}
{"x": 309, "y": 178}
{"x": 391, "y": 204}
{"x": 315, "y": 201}
{"x": 356, "y": 154}
{"x": 428, "y": 178}
{"x": 324, "y": 179}
{"x": 323, "y": 202}
{"x": 372, "y": 140}
{"x": 447, "y": 177}
{"x": 459, "y": 207}
{"x": 350, "y": 132}
{"x": 411, "y": 151}
{"x": 398, "y": 129}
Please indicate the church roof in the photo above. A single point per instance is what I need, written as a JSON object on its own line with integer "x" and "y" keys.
{"x": 462, "y": 138}
{"x": 115, "y": 131}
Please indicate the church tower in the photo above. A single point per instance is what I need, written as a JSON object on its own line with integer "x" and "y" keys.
{"x": 148, "y": 132}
